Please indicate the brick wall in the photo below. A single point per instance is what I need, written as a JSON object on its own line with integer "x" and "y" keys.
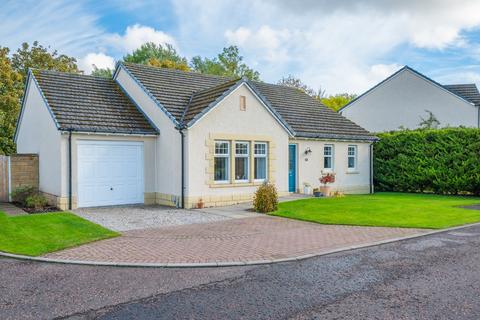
{"x": 24, "y": 170}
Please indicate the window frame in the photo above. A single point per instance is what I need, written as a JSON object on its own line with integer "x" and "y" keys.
{"x": 241, "y": 155}
{"x": 354, "y": 156}
{"x": 265, "y": 156}
{"x": 222, "y": 155}
{"x": 331, "y": 156}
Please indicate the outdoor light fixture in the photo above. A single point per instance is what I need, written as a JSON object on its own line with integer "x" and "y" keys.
{"x": 308, "y": 151}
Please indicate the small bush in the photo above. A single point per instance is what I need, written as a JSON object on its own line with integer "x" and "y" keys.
{"x": 20, "y": 194}
{"x": 266, "y": 198}
{"x": 36, "y": 201}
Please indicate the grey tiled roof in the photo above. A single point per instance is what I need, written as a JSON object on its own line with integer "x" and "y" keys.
{"x": 88, "y": 103}
{"x": 304, "y": 114}
{"x": 203, "y": 98}
{"x": 467, "y": 91}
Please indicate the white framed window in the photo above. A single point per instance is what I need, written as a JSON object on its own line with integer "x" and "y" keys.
{"x": 260, "y": 155}
{"x": 241, "y": 161}
{"x": 352, "y": 157}
{"x": 328, "y": 157}
{"x": 222, "y": 162}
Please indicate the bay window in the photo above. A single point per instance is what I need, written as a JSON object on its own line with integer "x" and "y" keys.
{"x": 260, "y": 161}
{"x": 241, "y": 161}
{"x": 222, "y": 161}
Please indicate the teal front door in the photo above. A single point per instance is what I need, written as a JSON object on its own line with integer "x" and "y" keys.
{"x": 292, "y": 167}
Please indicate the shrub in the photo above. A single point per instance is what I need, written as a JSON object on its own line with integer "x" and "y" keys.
{"x": 444, "y": 161}
{"x": 266, "y": 198}
{"x": 36, "y": 201}
{"x": 20, "y": 194}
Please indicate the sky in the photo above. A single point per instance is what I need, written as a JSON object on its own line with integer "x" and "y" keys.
{"x": 338, "y": 46}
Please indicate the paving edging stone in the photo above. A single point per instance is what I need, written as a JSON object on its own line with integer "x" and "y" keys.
{"x": 232, "y": 263}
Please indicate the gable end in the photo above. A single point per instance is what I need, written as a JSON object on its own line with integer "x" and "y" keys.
{"x": 30, "y": 79}
{"x": 263, "y": 101}
{"x": 144, "y": 89}
{"x": 403, "y": 69}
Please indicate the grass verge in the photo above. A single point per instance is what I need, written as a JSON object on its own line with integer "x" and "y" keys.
{"x": 385, "y": 210}
{"x": 38, "y": 234}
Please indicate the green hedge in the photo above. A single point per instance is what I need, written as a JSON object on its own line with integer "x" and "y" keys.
{"x": 445, "y": 161}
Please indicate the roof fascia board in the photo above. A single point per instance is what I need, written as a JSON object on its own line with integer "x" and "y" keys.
{"x": 330, "y": 139}
{"x": 227, "y": 93}
{"x": 108, "y": 133}
{"x": 146, "y": 91}
{"x": 335, "y": 137}
{"x": 22, "y": 105}
{"x": 137, "y": 106}
{"x": 31, "y": 78}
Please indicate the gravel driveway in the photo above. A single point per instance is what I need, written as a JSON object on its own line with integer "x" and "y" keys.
{"x": 126, "y": 218}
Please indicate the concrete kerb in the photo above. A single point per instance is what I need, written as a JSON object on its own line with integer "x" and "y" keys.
{"x": 227, "y": 263}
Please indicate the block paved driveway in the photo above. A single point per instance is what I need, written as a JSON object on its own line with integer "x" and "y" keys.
{"x": 232, "y": 240}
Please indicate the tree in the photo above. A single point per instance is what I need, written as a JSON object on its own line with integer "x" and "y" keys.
{"x": 103, "y": 73}
{"x": 164, "y": 56}
{"x": 11, "y": 86}
{"x": 13, "y": 73}
{"x": 228, "y": 63}
{"x": 293, "y": 82}
{"x": 337, "y": 101}
{"x": 39, "y": 57}
{"x": 429, "y": 123}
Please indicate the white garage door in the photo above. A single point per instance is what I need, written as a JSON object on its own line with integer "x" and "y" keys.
{"x": 109, "y": 173}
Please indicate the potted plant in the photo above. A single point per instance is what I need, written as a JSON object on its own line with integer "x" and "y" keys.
{"x": 317, "y": 193}
{"x": 307, "y": 188}
{"x": 326, "y": 179}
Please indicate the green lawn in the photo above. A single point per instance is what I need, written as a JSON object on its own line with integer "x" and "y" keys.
{"x": 384, "y": 209}
{"x": 38, "y": 234}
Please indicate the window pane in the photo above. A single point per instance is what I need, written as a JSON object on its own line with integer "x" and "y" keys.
{"x": 260, "y": 168}
{"x": 351, "y": 162}
{"x": 260, "y": 148}
{"x": 327, "y": 150}
{"x": 241, "y": 168}
{"x": 327, "y": 162}
{"x": 221, "y": 169}
{"x": 351, "y": 150}
{"x": 241, "y": 148}
{"x": 221, "y": 147}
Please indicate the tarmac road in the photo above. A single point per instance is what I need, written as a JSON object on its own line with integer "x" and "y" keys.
{"x": 432, "y": 277}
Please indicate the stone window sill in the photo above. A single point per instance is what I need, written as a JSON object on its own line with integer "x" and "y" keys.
{"x": 233, "y": 185}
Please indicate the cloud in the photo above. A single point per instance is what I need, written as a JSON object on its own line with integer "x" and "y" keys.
{"x": 99, "y": 60}
{"x": 137, "y": 35}
{"x": 66, "y": 26}
{"x": 426, "y": 24}
{"x": 270, "y": 41}
{"x": 341, "y": 46}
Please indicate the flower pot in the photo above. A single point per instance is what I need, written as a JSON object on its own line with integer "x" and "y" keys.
{"x": 317, "y": 194}
{"x": 326, "y": 191}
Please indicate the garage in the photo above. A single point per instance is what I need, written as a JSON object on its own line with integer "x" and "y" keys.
{"x": 109, "y": 173}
